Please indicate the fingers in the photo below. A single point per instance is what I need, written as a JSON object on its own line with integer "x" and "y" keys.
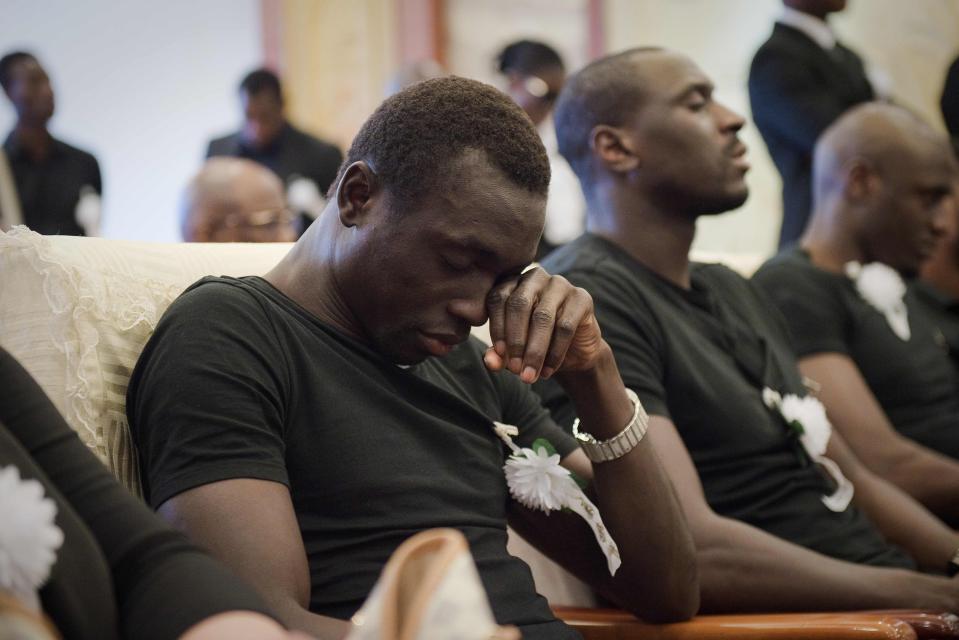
{"x": 496, "y": 306}
{"x": 533, "y": 320}
{"x": 552, "y": 325}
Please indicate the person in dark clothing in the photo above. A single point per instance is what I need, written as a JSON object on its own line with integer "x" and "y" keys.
{"x": 58, "y": 187}
{"x": 121, "y": 571}
{"x": 709, "y": 356}
{"x": 305, "y": 164}
{"x": 949, "y": 103}
{"x": 883, "y": 194}
{"x": 327, "y": 411}
{"x": 800, "y": 80}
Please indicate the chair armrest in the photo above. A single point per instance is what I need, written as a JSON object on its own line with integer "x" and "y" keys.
{"x": 928, "y": 625}
{"x": 610, "y": 624}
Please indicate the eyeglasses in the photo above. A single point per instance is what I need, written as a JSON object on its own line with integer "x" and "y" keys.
{"x": 538, "y": 88}
{"x": 259, "y": 219}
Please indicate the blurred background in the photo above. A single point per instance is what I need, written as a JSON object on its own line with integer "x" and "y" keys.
{"x": 145, "y": 85}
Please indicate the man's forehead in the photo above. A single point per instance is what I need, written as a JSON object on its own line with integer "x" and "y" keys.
{"x": 667, "y": 75}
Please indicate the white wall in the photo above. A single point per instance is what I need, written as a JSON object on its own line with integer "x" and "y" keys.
{"x": 143, "y": 86}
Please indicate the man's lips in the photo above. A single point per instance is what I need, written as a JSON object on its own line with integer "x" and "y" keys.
{"x": 738, "y": 153}
{"x": 440, "y": 344}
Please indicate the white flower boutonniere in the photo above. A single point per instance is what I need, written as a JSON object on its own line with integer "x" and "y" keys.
{"x": 29, "y": 539}
{"x": 807, "y": 418}
{"x": 882, "y": 287}
{"x": 537, "y": 481}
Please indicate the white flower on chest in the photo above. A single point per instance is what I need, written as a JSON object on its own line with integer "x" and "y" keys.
{"x": 882, "y": 288}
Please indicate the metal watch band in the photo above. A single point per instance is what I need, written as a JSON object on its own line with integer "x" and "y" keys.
{"x": 620, "y": 444}
{"x": 953, "y": 567}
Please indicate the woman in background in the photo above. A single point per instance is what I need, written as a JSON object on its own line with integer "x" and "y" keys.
{"x": 535, "y": 75}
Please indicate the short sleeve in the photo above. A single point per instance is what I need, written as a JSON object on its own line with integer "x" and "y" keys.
{"x": 206, "y": 399}
{"x": 811, "y": 305}
{"x": 524, "y": 409}
{"x": 632, "y": 332}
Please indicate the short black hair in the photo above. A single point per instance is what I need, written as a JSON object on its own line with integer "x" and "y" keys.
{"x": 261, "y": 80}
{"x": 606, "y": 91}
{"x": 7, "y": 63}
{"x": 528, "y": 57}
{"x": 422, "y": 129}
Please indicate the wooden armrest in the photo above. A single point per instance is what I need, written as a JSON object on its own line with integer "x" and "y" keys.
{"x": 611, "y": 624}
{"x": 928, "y": 625}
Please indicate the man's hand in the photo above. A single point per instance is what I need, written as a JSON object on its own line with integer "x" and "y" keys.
{"x": 541, "y": 324}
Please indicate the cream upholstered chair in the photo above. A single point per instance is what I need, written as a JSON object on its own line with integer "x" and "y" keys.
{"x": 76, "y": 312}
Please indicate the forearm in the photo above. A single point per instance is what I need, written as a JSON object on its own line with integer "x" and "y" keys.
{"x": 657, "y": 580}
{"x": 929, "y": 477}
{"x": 744, "y": 569}
{"x": 294, "y": 616}
{"x": 905, "y": 522}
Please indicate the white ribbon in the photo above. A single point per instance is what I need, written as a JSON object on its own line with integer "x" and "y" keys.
{"x": 537, "y": 481}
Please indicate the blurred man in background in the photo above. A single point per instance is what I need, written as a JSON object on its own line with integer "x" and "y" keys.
{"x": 305, "y": 164}
{"x": 48, "y": 185}
{"x": 236, "y": 200}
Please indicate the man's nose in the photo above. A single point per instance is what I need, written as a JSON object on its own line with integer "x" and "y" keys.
{"x": 473, "y": 310}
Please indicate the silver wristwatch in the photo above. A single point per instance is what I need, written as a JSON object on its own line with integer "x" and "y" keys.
{"x": 620, "y": 444}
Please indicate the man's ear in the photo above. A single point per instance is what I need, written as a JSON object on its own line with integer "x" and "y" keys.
{"x": 861, "y": 180}
{"x": 613, "y": 148}
{"x": 354, "y": 192}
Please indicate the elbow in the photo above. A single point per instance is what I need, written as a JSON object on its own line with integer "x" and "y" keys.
{"x": 681, "y": 599}
{"x": 675, "y": 599}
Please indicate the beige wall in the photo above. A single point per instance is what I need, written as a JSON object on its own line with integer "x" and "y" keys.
{"x": 910, "y": 43}
{"x": 336, "y": 56}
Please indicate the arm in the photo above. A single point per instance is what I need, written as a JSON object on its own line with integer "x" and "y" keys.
{"x": 901, "y": 519}
{"x": 929, "y": 477}
{"x": 657, "y": 580}
{"x": 742, "y": 568}
{"x": 251, "y": 526}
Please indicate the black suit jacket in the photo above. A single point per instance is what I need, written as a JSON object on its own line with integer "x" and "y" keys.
{"x": 292, "y": 153}
{"x": 796, "y": 90}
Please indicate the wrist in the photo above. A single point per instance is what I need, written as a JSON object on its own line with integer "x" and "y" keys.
{"x": 603, "y": 370}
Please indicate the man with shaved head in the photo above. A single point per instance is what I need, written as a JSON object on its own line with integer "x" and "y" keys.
{"x": 882, "y": 196}
{"x": 710, "y": 358}
{"x": 235, "y": 200}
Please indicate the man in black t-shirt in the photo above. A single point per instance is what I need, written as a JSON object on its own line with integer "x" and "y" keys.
{"x": 297, "y": 425}
{"x": 883, "y": 185}
{"x": 706, "y": 354}
{"x": 57, "y": 186}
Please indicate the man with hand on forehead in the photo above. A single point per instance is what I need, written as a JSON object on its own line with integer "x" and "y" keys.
{"x": 303, "y": 424}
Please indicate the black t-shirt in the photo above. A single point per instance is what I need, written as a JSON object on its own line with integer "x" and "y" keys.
{"x": 121, "y": 572}
{"x": 49, "y": 191}
{"x": 241, "y": 382}
{"x": 943, "y": 310}
{"x": 701, "y": 358}
{"x": 913, "y": 380}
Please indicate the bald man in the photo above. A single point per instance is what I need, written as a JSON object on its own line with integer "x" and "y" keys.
{"x": 882, "y": 183}
{"x": 235, "y": 200}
